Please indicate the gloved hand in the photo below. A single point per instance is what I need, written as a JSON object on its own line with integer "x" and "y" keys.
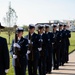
{"x": 16, "y": 45}
{"x": 39, "y": 49}
{"x": 52, "y": 43}
{"x": 14, "y": 56}
{"x": 29, "y": 41}
{"x": 6, "y": 70}
{"x": 66, "y": 33}
{"x": 60, "y": 41}
{"x": 28, "y": 52}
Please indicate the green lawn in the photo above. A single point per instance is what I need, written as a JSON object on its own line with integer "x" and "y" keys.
{"x": 3, "y": 34}
{"x": 72, "y": 42}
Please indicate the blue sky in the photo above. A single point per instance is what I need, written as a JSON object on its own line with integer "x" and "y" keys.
{"x": 34, "y": 11}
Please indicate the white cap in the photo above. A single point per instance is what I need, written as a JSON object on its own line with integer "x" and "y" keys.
{"x": 47, "y": 25}
{"x": 31, "y": 26}
{"x": 20, "y": 28}
{"x": 54, "y": 25}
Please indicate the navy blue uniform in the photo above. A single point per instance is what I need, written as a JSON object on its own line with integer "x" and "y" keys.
{"x": 49, "y": 40}
{"x": 22, "y": 59}
{"x": 42, "y": 54}
{"x": 61, "y": 47}
{"x": 56, "y": 50}
{"x": 4, "y": 56}
{"x": 66, "y": 36}
{"x": 33, "y": 55}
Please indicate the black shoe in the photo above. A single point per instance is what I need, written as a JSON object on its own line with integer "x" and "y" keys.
{"x": 54, "y": 68}
{"x": 62, "y": 64}
{"x": 50, "y": 72}
{"x": 66, "y": 61}
{"x": 57, "y": 68}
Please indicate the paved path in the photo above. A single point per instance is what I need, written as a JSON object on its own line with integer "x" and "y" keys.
{"x": 67, "y": 69}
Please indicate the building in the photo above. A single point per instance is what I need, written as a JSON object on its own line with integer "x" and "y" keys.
{"x": 71, "y": 24}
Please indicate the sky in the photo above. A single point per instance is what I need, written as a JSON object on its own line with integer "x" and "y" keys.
{"x": 38, "y": 11}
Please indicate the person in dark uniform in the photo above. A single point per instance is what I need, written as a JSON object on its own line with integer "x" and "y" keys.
{"x": 19, "y": 58}
{"x": 49, "y": 41}
{"x": 42, "y": 50}
{"x": 66, "y": 36}
{"x": 61, "y": 44}
{"x": 55, "y": 48}
{"x": 4, "y": 55}
{"x": 32, "y": 52}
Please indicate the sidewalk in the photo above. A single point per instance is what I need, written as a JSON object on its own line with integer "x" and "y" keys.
{"x": 67, "y": 69}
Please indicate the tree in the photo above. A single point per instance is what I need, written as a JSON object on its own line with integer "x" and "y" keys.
{"x": 25, "y": 27}
{"x": 10, "y": 19}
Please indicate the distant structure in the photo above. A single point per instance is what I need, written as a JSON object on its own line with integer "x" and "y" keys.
{"x": 70, "y": 23}
{"x": 50, "y": 23}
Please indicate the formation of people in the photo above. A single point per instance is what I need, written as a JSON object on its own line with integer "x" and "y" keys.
{"x": 40, "y": 51}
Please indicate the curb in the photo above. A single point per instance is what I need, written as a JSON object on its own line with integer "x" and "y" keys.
{"x": 72, "y": 51}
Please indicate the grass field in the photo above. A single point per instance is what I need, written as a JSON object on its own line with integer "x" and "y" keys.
{"x": 3, "y": 34}
{"x": 72, "y": 42}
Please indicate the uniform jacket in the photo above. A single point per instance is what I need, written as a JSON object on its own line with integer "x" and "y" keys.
{"x": 4, "y": 55}
{"x": 23, "y": 50}
{"x": 49, "y": 37}
{"x": 34, "y": 52}
{"x": 42, "y": 43}
{"x": 66, "y": 36}
{"x": 55, "y": 39}
{"x": 49, "y": 40}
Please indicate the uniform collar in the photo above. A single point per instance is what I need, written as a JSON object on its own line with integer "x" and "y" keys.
{"x": 46, "y": 32}
{"x": 41, "y": 34}
{"x": 55, "y": 31}
{"x": 60, "y": 30}
{"x": 32, "y": 34}
{"x": 65, "y": 30}
{"x": 19, "y": 38}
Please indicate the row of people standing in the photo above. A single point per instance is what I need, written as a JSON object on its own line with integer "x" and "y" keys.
{"x": 60, "y": 45}
{"x": 38, "y": 50}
